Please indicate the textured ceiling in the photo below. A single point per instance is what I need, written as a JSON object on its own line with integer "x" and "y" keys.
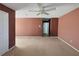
{"x": 18, "y": 6}
{"x": 22, "y": 9}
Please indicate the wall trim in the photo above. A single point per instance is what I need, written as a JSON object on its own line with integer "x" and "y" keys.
{"x": 9, "y": 50}
{"x": 12, "y": 48}
{"x": 68, "y": 44}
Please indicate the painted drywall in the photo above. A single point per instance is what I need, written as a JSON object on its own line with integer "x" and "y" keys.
{"x": 54, "y": 27}
{"x": 68, "y": 28}
{"x": 11, "y": 24}
{"x": 33, "y": 27}
{"x": 29, "y": 26}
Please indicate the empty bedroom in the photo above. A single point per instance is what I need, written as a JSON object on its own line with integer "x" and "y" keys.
{"x": 39, "y": 29}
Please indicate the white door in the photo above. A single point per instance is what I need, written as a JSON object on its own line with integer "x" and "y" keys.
{"x": 4, "y": 33}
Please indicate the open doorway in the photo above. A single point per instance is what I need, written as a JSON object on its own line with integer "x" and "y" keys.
{"x": 46, "y": 27}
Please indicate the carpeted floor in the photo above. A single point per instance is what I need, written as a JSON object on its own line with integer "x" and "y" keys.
{"x": 40, "y": 46}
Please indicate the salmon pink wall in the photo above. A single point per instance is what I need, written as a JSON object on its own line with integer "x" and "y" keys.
{"x": 68, "y": 28}
{"x": 29, "y": 26}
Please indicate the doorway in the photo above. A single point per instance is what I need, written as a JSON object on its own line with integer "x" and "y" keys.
{"x": 46, "y": 27}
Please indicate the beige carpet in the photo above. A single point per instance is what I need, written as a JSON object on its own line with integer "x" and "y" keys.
{"x": 40, "y": 46}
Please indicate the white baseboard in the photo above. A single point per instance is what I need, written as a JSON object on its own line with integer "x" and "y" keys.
{"x": 9, "y": 50}
{"x": 68, "y": 44}
{"x": 12, "y": 48}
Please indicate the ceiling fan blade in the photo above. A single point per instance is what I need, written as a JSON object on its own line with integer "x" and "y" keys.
{"x": 46, "y": 13}
{"x": 43, "y": 13}
{"x": 34, "y": 11}
{"x": 38, "y": 14}
{"x": 50, "y": 9}
{"x": 40, "y": 6}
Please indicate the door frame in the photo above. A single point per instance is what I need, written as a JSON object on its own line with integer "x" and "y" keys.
{"x": 49, "y": 26}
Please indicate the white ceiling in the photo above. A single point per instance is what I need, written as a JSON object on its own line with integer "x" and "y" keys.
{"x": 18, "y": 6}
{"x": 22, "y": 9}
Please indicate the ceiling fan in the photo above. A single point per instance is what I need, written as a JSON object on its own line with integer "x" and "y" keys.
{"x": 42, "y": 10}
